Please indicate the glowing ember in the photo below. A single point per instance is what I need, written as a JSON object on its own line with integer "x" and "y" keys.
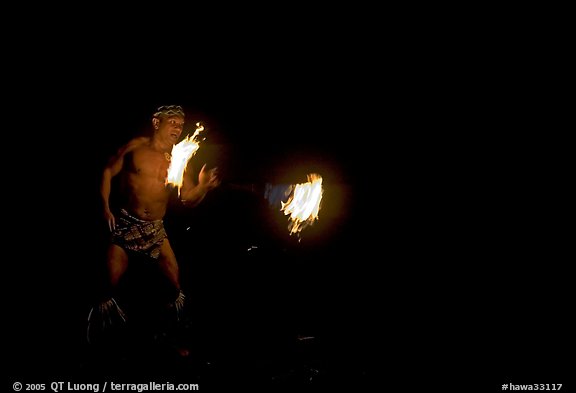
{"x": 304, "y": 203}
{"x": 181, "y": 154}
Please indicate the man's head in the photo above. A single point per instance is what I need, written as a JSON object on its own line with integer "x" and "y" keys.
{"x": 168, "y": 122}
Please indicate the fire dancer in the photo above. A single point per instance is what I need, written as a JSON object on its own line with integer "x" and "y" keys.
{"x": 137, "y": 226}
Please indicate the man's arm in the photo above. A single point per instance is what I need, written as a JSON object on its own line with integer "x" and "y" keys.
{"x": 113, "y": 167}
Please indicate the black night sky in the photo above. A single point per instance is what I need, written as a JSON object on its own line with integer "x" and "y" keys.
{"x": 428, "y": 245}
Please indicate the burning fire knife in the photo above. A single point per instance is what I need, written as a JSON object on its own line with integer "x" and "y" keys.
{"x": 181, "y": 154}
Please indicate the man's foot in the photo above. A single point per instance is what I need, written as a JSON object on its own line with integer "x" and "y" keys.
{"x": 178, "y": 305}
{"x": 104, "y": 316}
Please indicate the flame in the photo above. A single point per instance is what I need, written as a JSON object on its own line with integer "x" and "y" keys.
{"x": 304, "y": 203}
{"x": 181, "y": 154}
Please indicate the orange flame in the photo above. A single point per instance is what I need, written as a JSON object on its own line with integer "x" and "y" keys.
{"x": 304, "y": 203}
{"x": 181, "y": 154}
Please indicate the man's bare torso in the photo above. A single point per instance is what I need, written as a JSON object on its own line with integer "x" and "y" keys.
{"x": 144, "y": 189}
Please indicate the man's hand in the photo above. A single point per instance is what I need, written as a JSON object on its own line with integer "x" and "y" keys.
{"x": 208, "y": 179}
{"x": 110, "y": 219}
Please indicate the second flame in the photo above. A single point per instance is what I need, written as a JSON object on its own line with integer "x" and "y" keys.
{"x": 304, "y": 203}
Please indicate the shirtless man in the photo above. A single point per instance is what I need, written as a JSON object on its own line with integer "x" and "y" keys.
{"x": 138, "y": 227}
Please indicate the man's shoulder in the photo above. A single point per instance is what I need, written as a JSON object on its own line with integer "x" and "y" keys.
{"x": 137, "y": 142}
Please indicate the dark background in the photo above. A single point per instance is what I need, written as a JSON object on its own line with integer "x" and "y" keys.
{"x": 438, "y": 251}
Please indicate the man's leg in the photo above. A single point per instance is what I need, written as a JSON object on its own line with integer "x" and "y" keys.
{"x": 107, "y": 311}
{"x": 117, "y": 264}
{"x": 169, "y": 266}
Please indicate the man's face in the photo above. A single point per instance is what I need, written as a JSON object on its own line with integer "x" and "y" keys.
{"x": 171, "y": 128}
